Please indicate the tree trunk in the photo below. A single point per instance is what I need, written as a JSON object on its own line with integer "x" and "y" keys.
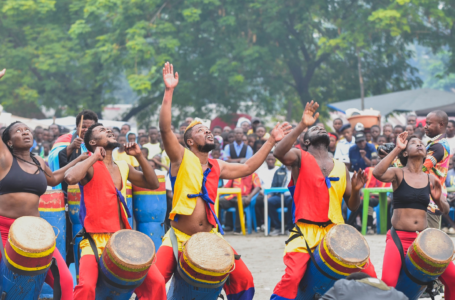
{"x": 362, "y": 92}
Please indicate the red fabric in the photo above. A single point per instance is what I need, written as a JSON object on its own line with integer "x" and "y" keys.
{"x": 153, "y": 287}
{"x": 296, "y": 265}
{"x": 230, "y": 120}
{"x": 245, "y": 184}
{"x": 240, "y": 279}
{"x": 212, "y": 188}
{"x": 101, "y": 203}
{"x": 392, "y": 263}
{"x": 311, "y": 186}
{"x": 66, "y": 280}
{"x": 372, "y": 181}
{"x": 66, "y": 138}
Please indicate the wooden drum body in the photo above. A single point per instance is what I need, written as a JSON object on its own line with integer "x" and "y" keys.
{"x": 342, "y": 251}
{"x": 52, "y": 209}
{"x": 124, "y": 264}
{"x": 203, "y": 268}
{"x": 74, "y": 203}
{"x": 28, "y": 256}
{"x": 150, "y": 211}
{"x": 427, "y": 258}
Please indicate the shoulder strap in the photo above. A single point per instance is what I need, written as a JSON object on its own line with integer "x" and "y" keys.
{"x": 57, "y": 285}
{"x": 175, "y": 244}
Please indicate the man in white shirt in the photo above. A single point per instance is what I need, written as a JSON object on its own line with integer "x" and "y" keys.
{"x": 342, "y": 150}
{"x": 266, "y": 173}
{"x": 450, "y": 132}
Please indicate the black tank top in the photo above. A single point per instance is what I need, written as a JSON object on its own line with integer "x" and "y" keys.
{"x": 19, "y": 181}
{"x": 406, "y": 196}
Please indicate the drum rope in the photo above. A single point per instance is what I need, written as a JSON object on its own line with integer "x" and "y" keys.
{"x": 58, "y": 233}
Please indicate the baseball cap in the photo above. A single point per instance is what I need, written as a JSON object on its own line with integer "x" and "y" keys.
{"x": 344, "y": 127}
{"x": 359, "y": 137}
{"x": 359, "y": 127}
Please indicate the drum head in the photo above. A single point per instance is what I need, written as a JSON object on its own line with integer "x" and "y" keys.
{"x": 347, "y": 244}
{"x": 209, "y": 252}
{"x": 32, "y": 234}
{"x": 132, "y": 249}
{"x": 53, "y": 192}
{"x": 435, "y": 244}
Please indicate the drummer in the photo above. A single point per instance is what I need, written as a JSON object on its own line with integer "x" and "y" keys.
{"x": 317, "y": 197}
{"x": 195, "y": 178}
{"x": 103, "y": 206}
{"x": 411, "y": 196}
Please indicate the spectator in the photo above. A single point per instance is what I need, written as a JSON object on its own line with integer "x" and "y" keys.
{"x": 375, "y": 131}
{"x": 450, "y": 131}
{"x": 255, "y": 122}
{"x": 397, "y": 130}
{"x": 368, "y": 137}
{"x": 182, "y": 127}
{"x": 180, "y": 138}
{"x": 245, "y": 125}
{"x": 46, "y": 150}
{"x": 281, "y": 178}
{"x": 37, "y": 147}
{"x": 227, "y": 129}
{"x": 55, "y": 129}
{"x": 260, "y": 132}
{"x": 257, "y": 145}
{"x": 217, "y": 130}
{"x": 144, "y": 139}
{"x": 159, "y": 164}
{"x": 360, "y": 286}
{"x": 387, "y": 130}
{"x": 120, "y": 154}
{"x": 188, "y": 120}
{"x": 450, "y": 182}
{"x": 360, "y": 153}
{"x": 437, "y": 159}
{"x": 342, "y": 150}
{"x": 382, "y": 140}
{"x": 141, "y": 132}
{"x": 392, "y": 138}
{"x": 251, "y": 139}
{"x": 145, "y": 153}
{"x": 131, "y": 137}
{"x": 410, "y": 130}
{"x": 250, "y": 186}
{"x": 411, "y": 119}
{"x": 238, "y": 150}
{"x": 154, "y": 144}
{"x": 333, "y": 142}
{"x": 337, "y": 124}
{"x": 46, "y": 135}
{"x": 359, "y": 128}
{"x": 267, "y": 171}
{"x": 125, "y": 129}
{"x": 216, "y": 153}
{"x": 419, "y": 131}
{"x": 245, "y": 139}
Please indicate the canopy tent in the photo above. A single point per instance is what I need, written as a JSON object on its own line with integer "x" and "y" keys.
{"x": 422, "y": 101}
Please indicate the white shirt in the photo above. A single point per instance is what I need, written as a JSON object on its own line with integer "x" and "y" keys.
{"x": 166, "y": 176}
{"x": 266, "y": 176}
{"x": 342, "y": 150}
{"x": 452, "y": 144}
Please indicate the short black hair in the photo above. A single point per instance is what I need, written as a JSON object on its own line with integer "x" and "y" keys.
{"x": 399, "y": 126}
{"x": 442, "y": 115}
{"x": 337, "y": 120}
{"x": 129, "y": 126}
{"x": 375, "y": 126}
{"x": 38, "y": 127}
{"x": 183, "y": 124}
{"x": 451, "y": 121}
{"x": 153, "y": 127}
{"x": 88, "y": 136}
{"x": 88, "y": 115}
{"x": 146, "y": 149}
{"x": 260, "y": 125}
{"x": 187, "y": 136}
{"x": 382, "y": 136}
{"x": 116, "y": 129}
{"x": 217, "y": 127}
{"x": 306, "y": 136}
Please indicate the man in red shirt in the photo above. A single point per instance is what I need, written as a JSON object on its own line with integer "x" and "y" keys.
{"x": 250, "y": 186}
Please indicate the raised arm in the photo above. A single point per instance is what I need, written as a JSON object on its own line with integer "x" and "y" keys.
{"x": 147, "y": 178}
{"x": 170, "y": 142}
{"x": 83, "y": 171}
{"x": 58, "y": 176}
{"x": 282, "y": 151}
{"x": 233, "y": 171}
{"x": 382, "y": 171}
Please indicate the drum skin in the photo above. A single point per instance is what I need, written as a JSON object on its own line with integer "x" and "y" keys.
{"x": 74, "y": 203}
{"x": 124, "y": 264}
{"x": 203, "y": 268}
{"x": 342, "y": 251}
{"x": 52, "y": 209}
{"x": 28, "y": 256}
{"x": 150, "y": 211}
{"x": 427, "y": 258}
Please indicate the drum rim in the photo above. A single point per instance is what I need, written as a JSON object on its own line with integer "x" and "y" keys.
{"x": 326, "y": 242}
{"x": 219, "y": 271}
{"x": 424, "y": 255}
{"x": 113, "y": 254}
{"x": 13, "y": 240}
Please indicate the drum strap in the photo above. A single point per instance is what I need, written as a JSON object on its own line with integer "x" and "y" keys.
{"x": 175, "y": 244}
{"x": 300, "y": 234}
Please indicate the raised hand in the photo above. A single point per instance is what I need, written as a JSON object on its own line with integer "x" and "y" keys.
{"x": 310, "y": 115}
{"x": 358, "y": 180}
{"x": 2, "y": 72}
{"x": 280, "y": 131}
{"x": 100, "y": 153}
{"x": 132, "y": 149}
{"x": 170, "y": 81}
{"x": 401, "y": 140}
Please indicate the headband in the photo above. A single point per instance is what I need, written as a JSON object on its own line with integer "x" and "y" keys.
{"x": 196, "y": 121}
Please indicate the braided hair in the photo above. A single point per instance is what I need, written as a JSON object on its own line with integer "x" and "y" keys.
{"x": 6, "y": 137}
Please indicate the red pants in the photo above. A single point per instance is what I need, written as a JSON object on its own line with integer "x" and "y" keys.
{"x": 392, "y": 263}
{"x": 241, "y": 285}
{"x": 66, "y": 280}
{"x": 153, "y": 287}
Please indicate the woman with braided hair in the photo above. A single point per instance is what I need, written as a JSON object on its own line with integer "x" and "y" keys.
{"x": 24, "y": 177}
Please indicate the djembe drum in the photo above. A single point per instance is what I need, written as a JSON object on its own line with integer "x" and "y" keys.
{"x": 125, "y": 261}
{"x": 203, "y": 267}
{"x": 27, "y": 258}
{"x": 427, "y": 258}
{"x": 342, "y": 251}
{"x": 52, "y": 209}
{"x": 74, "y": 203}
{"x": 150, "y": 211}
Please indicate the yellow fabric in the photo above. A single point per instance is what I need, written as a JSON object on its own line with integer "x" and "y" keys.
{"x": 336, "y": 192}
{"x": 123, "y": 156}
{"x": 182, "y": 238}
{"x": 188, "y": 181}
{"x": 124, "y": 172}
{"x": 100, "y": 239}
{"x": 313, "y": 235}
{"x": 194, "y": 123}
{"x": 165, "y": 160}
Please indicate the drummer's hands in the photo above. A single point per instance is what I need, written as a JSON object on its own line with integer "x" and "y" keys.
{"x": 100, "y": 153}
{"x": 2, "y": 72}
{"x": 358, "y": 180}
{"x": 132, "y": 149}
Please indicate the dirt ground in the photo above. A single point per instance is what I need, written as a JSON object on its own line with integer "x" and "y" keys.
{"x": 264, "y": 257}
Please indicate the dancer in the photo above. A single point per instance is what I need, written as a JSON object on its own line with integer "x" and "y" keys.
{"x": 103, "y": 206}
{"x": 195, "y": 181}
{"x": 411, "y": 195}
{"x": 317, "y": 197}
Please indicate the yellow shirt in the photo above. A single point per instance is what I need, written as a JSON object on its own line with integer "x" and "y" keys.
{"x": 131, "y": 160}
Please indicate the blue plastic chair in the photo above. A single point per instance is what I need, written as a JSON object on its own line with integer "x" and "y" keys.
{"x": 278, "y": 210}
{"x": 250, "y": 215}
